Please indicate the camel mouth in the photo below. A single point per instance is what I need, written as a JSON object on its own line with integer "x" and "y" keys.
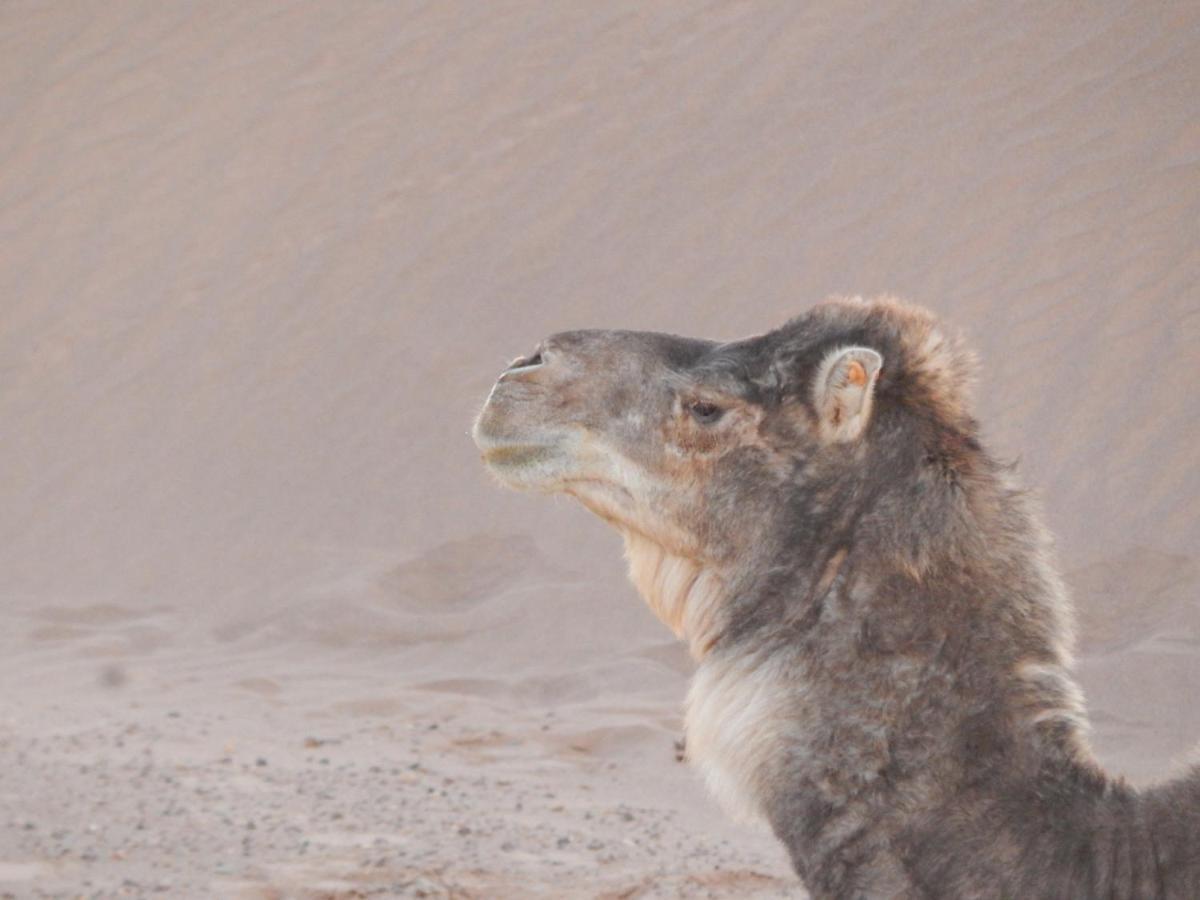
{"x": 519, "y": 456}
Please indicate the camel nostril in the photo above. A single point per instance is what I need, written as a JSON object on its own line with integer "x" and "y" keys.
{"x": 526, "y": 362}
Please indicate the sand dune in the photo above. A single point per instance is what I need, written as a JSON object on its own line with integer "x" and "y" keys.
{"x": 268, "y": 630}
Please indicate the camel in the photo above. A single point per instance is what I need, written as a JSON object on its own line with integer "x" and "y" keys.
{"x": 882, "y": 643}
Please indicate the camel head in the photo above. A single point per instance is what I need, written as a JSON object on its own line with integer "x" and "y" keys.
{"x": 722, "y": 452}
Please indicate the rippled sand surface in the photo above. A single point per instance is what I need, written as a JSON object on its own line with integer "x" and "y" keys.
{"x": 266, "y": 629}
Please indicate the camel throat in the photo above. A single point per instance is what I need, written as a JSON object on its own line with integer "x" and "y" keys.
{"x": 681, "y": 591}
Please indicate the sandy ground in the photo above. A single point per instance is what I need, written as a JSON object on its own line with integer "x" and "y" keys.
{"x": 266, "y": 629}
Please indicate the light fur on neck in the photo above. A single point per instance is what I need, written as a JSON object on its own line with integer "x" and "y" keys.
{"x": 684, "y": 593}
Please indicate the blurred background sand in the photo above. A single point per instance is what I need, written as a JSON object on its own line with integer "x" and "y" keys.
{"x": 266, "y": 629}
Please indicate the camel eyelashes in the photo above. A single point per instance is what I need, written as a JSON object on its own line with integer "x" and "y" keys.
{"x": 705, "y": 413}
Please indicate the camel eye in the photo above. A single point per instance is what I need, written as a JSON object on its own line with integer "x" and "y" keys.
{"x": 705, "y": 413}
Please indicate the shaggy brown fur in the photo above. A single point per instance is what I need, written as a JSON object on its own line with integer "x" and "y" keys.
{"x": 882, "y": 641}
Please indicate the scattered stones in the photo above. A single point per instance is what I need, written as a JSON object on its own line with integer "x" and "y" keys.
{"x": 113, "y": 676}
{"x": 148, "y": 816}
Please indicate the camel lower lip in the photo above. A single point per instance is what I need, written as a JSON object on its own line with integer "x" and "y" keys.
{"x": 511, "y": 455}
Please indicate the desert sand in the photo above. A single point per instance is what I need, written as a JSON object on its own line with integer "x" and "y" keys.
{"x": 266, "y": 628}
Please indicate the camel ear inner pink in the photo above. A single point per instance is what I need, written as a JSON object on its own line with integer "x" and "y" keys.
{"x": 843, "y": 392}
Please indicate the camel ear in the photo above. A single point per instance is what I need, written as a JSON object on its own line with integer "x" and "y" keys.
{"x": 844, "y": 390}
